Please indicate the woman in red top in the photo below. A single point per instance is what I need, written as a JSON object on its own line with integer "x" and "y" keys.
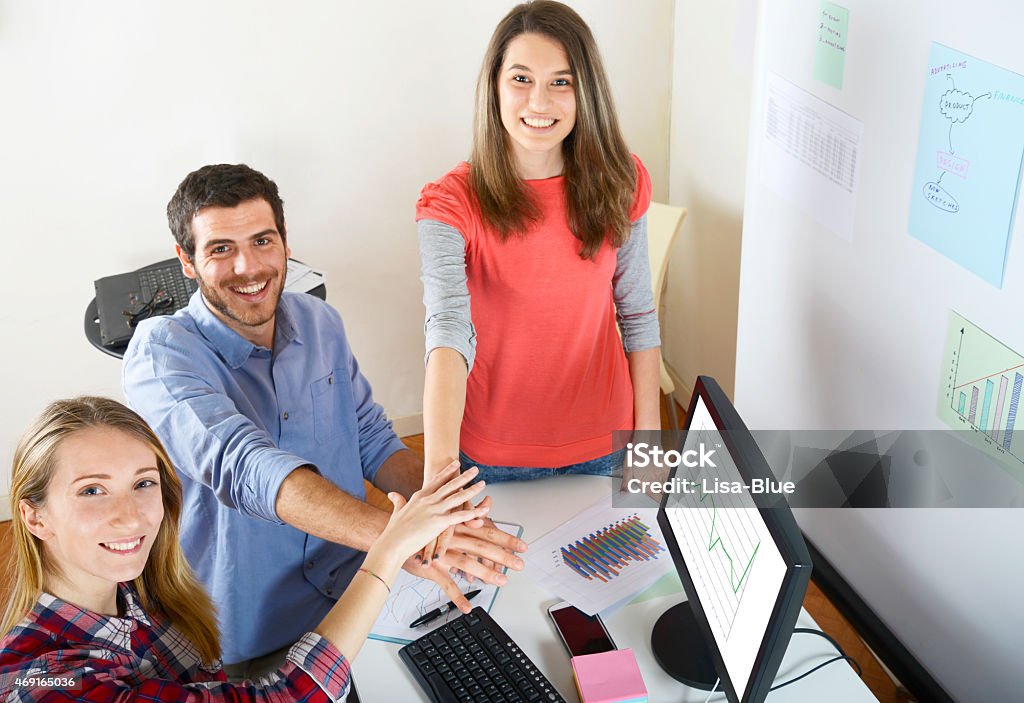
{"x": 105, "y": 606}
{"x": 531, "y": 254}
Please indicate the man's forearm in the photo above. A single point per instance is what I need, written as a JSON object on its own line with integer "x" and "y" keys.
{"x": 402, "y": 472}
{"x": 311, "y": 503}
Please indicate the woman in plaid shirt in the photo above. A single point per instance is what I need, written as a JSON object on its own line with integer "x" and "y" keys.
{"x": 105, "y": 607}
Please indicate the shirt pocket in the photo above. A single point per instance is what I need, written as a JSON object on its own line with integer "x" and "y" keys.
{"x": 325, "y": 400}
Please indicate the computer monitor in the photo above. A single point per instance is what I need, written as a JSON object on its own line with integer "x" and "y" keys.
{"x": 740, "y": 555}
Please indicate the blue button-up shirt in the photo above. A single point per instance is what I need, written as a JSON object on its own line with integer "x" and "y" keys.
{"x": 236, "y": 419}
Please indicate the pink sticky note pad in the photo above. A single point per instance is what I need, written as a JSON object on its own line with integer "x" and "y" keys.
{"x": 609, "y": 677}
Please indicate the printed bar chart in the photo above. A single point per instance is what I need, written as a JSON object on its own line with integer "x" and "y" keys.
{"x": 600, "y": 557}
{"x": 993, "y": 374}
{"x": 1011, "y": 417}
{"x": 603, "y": 554}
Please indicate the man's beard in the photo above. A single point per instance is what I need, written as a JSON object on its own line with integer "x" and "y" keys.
{"x": 212, "y": 295}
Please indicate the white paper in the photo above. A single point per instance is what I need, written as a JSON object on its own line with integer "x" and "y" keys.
{"x": 411, "y": 597}
{"x": 546, "y": 562}
{"x": 301, "y": 278}
{"x": 810, "y": 154}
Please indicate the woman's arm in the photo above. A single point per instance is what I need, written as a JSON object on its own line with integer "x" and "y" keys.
{"x": 638, "y": 322}
{"x": 444, "y": 400}
{"x": 451, "y": 349}
{"x": 450, "y": 341}
{"x": 645, "y": 374}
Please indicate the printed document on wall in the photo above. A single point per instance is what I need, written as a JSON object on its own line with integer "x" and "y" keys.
{"x": 968, "y": 161}
{"x": 810, "y": 153}
{"x": 980, "y": 392}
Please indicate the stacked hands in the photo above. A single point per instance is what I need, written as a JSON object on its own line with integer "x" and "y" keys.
{"x": 456, "y": 533}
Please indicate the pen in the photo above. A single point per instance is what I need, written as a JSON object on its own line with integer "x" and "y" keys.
{"x": 438, "y": 612}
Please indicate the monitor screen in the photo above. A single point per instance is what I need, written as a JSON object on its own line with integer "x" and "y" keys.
{"x": 736, "y": 546}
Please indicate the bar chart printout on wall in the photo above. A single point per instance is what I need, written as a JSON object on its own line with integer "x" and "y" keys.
{"x": 602, "y": 557}
{"x": 981, "y": 391}
{"x": 968, "y": 161}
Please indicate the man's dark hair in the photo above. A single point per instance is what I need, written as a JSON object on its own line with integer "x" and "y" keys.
{"x": 218, "y": 185}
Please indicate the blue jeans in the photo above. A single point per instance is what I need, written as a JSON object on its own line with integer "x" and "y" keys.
{"x": 601, "y": 466}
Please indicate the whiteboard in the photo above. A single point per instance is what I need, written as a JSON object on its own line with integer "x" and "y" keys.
{"x": 849, "y": 334}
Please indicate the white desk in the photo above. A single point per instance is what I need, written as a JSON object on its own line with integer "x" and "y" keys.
{"x": 521, "y": 609}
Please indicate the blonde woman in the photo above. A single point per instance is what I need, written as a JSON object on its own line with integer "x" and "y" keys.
{"x": 531, "y": 253}
{"x": 105, "y": 606}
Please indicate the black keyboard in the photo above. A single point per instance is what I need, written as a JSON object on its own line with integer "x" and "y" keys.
{"x": 471, "y": 659}
{"x": 164, "y": 283}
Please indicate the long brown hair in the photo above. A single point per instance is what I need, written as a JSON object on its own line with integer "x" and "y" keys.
{"x": 600, "y": 176}
{"x": 166, "y": 583}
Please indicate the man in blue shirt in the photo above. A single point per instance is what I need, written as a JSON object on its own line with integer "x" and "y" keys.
{"x": 260, "y": 402}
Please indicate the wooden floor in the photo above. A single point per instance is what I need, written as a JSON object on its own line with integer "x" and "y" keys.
{"x": 832, "y": 622}
{"x": 820, "y": 608}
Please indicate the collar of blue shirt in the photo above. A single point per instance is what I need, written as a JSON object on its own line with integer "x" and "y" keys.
{"x": 233, "y": 347}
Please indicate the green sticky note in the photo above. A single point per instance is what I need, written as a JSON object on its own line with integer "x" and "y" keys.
{"x": 830, "y": 52}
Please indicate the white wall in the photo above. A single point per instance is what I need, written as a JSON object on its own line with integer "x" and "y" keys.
{"x": 350, "y": 107}
{"x": 711, "y": 83}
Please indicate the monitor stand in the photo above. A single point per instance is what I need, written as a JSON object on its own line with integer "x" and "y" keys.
{"x": 681, "y": 650}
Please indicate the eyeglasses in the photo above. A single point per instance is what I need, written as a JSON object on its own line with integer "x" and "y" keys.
{"x": 148, "y": 309}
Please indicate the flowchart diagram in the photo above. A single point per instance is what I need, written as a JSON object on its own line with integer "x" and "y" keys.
{"x": 968, "y": 161}
{"x": 957, "y": 106}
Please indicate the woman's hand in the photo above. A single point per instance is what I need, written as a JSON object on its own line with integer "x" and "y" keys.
{"x": 441, "y": 504}
{"x": 436, "y": 548}
{"x": 428, "y": 512}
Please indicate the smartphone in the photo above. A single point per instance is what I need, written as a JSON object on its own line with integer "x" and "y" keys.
{"x": 581, "y": 633}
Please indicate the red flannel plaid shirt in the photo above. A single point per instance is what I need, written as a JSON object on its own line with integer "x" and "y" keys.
{"x": 63, "y": 653}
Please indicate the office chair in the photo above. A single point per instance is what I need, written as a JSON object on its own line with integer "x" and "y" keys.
{"x": 663, "y": 225}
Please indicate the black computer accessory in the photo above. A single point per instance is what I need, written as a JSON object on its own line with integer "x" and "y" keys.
{"x": 124, "y": 300}
{"x": 473, "y": 659}
{"x": 434, "y": 614}
{"x": 581, "y": 633}
{"x": 739, "y": 554}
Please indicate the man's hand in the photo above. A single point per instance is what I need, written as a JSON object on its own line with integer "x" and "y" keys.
{"x": 438, "y": 572}
{"x": 479, "y": 552}
{"x": 489, "y": 543}
{"x": 492, "y": 549}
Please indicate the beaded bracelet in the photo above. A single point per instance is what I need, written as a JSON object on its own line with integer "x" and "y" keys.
{"x": 367, "y": 571}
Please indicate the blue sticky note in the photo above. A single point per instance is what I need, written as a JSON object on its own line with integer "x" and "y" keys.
{"x": 968, "y": 161}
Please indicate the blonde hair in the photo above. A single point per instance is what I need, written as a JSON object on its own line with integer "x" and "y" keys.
{"x": 166, "y": 583}
{"x": 600, "y": 176}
